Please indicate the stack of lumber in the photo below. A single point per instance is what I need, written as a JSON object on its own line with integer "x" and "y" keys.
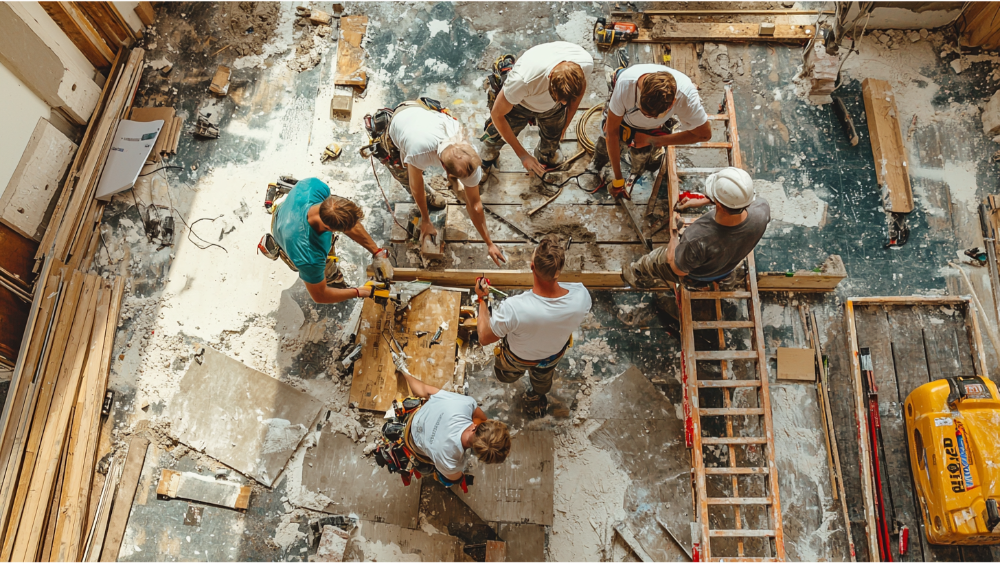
{"x": 98, "y": 29}
{"x": 52, "y": 418}
{"x": 979, "y": 25}
{"x": 72, "y": 235}
{"x": 170, "y": 135}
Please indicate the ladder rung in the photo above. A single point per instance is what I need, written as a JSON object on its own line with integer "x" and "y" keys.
{"x": 738, "y": 500}
{"x": 736, "y": 471}
{"x": 730, "y": 412}
{"x": 719, "y": 295}
{"x": 741, "y": 533}
{"x": 725, "y": 355}
{"x": 698, "y": 171}
{"x": 706, "y": 440}
{"x": 707, "y": 146}
{"x": 705, "y": 325}
{"x": 729, "y": 383}
{"x": 718, "y": 117}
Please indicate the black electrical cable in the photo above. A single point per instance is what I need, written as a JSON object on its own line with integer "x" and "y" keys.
{"x": 161, "y": 168}
{"x": 191, "y": 231}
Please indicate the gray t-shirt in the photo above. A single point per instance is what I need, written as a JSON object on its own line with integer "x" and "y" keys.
{"x": 708, "y": 249}
{"x": 437, "y": 429}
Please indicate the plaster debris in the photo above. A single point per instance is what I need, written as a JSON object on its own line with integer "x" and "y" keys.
{"x": 803, "y": 207}
{"x": 439, "y": 26}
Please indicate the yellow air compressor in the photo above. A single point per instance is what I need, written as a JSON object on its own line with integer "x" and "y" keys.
{"x": 953, "y": 427}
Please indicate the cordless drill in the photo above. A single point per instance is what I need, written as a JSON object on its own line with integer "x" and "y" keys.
{"x": 606, "y": 35}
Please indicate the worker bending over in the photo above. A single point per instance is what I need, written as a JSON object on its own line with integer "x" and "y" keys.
{"x": 712, "y": 247}
{"x": 544, "y": 87}
{"x": 446, "y": 426}
{"x": 423, "y": 136}
{"x": 643, "y": 98}
{"x": 535, "y": 328}
{"x": 303, "y": 224}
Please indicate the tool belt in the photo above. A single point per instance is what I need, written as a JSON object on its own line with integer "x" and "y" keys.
{"x": 511, "y": 357}
{"x": 395, "y": 450}
{"x": 380, "y": 145}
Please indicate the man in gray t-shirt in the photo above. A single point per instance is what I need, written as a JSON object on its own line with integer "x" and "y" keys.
{"x": 712, "y": 247}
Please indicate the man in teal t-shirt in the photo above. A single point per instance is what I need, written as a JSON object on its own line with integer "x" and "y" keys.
{"x": 303, "y": 225}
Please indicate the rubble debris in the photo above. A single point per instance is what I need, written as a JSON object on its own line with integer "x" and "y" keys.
{"x": 205, "y": 128}
{"x": 220, "y": 84}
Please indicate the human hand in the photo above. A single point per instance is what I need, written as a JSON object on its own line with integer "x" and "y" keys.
{"x": 426, "y": 230}
{"x": 497, "y": 255}
{"x": 380, "y": 262}
{"x": 364, "y": 291}
{"x": 532, "y": 165}
{"x": 482, "y": 288}
{"x": 689, "y": 202}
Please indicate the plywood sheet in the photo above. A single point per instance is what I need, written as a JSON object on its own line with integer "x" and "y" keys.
{"x": 376, "y": 382}
{"x": 797, "y": 364}
{"x": 525, "y": 542}
{"x": 336, "y": 469}
{"x": 891, "y": 158}
{"x": 350, "y": 55}
{"x": 240, "y": 416}
{"x": 684, "y": 58}
{"x": 521, "y": 488}
{"x": 416, "y": 545}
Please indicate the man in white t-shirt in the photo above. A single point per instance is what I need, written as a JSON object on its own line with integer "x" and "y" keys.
{"x": 643, "y": 99}
{"x": 447, "y": 425}
{"x": 426, "y": 138}
{"x": 536, "y": 327}
{"x": 545, "y": 86}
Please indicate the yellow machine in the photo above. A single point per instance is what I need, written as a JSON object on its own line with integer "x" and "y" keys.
{"x": 953, "y": 429}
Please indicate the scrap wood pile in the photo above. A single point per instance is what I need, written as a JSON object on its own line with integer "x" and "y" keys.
{"x": 72, "y": 235}
{"x": 52, "y": 419}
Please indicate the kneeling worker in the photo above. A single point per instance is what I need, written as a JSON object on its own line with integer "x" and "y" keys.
{"x": 303, "y": 224}
{"x": 545, "y": 86}
{"x": 422, "y": 137}
{"x": 536, "y": 327}
{"x": 643, "y": 98}
{"x": 447, "y": 425}
{"x": 711, "y": 248}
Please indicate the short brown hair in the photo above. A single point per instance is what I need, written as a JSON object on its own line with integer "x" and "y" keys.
{"x": 340, "y": 214}
{"x": 550, "y": 257}
{"x": 567, "y": 82}
{"x": 657, "y": 93}
{"x": 460, "y": 160}
{"x": 491, "y": 442}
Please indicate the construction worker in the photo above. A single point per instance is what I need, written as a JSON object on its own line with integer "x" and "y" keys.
{"x": 711, "y": 248}
{"x": 303, "y": 224}
{"x": 425, "y": 136}
{"x": 446, "y": 426}
{"x": 644, "y": 97}
{"x": 535, "y": 328}
{"x": 544, "y": 87}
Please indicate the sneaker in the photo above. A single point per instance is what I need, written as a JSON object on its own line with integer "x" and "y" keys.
{"x": 534, "y": 405}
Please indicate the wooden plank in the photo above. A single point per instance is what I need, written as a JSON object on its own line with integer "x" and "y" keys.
{"x": 520, "y": 489}
{"x": 123, "y": 500}
{"x": 891, "y": 160}
{"x": 81, "y": 32}
{"x": 350, "y": 55}
{"x": 200, "y": 488}
{"x": 684, "y": 58}
{"x": 796, "y": 364}
{"x": 861, "y": 420}
{"x": 669, "y": 32}
{"x": 496, "y": 551}
{"x": 102, "y": 515}
{"x": 145, "y": 12}
{"x": 830, "y": 274}
{"x": 102, "y": 18}
{"x": 375, "y": 382}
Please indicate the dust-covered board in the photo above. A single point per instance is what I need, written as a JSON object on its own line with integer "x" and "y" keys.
{"x": 240, "y": 416}
{"x": 353, "y": 484}
{"x": 415, "y": 545}
{"x": 520, "y": 489}
{"x": 376, "y": 382}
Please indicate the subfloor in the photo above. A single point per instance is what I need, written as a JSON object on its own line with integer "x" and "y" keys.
{"x": 210, "y": 289}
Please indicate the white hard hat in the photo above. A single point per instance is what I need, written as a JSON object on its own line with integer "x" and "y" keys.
{"x": 731, "y": 187}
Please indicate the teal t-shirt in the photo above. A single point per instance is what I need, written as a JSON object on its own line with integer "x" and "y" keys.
{"x": 306, "y": 248}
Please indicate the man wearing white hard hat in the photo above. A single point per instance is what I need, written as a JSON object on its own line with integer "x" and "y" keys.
{"x": 711, "y": 248}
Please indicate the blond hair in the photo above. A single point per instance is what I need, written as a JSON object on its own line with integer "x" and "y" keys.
{"x": 460, "y": 160}
{"x": 491, "y": 442}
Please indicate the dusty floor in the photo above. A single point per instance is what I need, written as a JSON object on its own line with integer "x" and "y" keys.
{"x": 210, "y": 289}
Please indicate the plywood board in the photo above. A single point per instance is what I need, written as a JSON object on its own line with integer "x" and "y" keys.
{"x": 350, "y": 55}
{"x": 891, "y": 159}
{"x": 667, "y": 31}
{"x": 684, "y": 58}
{"x": 521, "y": 488}
{"x": 202, "y": 488}
{"x": 36, "y": 180}
{"x": 525, "y": 542}
{"x": 240, "y": 416}
{"x": 797, "y": 364}
{"x": 415, "y": 545}
{"x": 376, "y": 382}
{"x": 337, "y": 469}
{"x": 165, "y": 138}
{"x": 136, "y": 458}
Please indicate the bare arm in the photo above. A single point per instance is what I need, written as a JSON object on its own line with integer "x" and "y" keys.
{"x": 360, "y": 235}
{"x": 416, "y": 177}
{"x": 419, "y": 388}
{"x": 699, "y": 134}
{"x": 322, "y": 293}
{"x": 611, "y": 129}
{"x": 501, "y": 107}
{"x": 486, "y": 336}
{"x": 474, "y": 205}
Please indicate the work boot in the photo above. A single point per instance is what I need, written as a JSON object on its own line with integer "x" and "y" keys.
{"x": 435, "y": 199}
{"x": 601, "y": 157}
{"x": 534, "y": 405}
{"x": 489, "y": 172}
{"x": 334, "y": 277}
{"x": 549, "y": 162}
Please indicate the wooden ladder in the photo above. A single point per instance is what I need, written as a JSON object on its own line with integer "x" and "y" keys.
{"x": 739, "y": 517}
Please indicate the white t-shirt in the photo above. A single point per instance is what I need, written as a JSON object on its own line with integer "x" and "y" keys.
{"x": 437, "y": 429}
{"x": 528, "y": 82}
{"x": 537, "y": 327}
{"x": 687, "y": 106}
{"x": 418, "y": 132}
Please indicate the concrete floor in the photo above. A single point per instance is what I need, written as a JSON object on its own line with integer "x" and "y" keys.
{"x": 275, "y": 121}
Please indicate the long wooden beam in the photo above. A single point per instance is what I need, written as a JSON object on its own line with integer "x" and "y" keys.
{"x": 669, "y": 32}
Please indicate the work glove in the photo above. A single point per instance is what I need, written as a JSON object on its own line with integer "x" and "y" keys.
{"x": 383, "y": 269}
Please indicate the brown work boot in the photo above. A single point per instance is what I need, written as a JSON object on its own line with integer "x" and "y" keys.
{"x": 534, "y": 405}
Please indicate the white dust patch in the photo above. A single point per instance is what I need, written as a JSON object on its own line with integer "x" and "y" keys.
{"x": 439, "y": 26}
{"x": 439, "y": 67}
{"x": 589, "y": 497}
{"x": 961, "y": 180}
{"x": 579, "y": 29}
{"x": 773, "y": 314}
{"x": 281, "y": 435}
{"x": 800, "y": 207}
{"x": 804, "y": 475}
